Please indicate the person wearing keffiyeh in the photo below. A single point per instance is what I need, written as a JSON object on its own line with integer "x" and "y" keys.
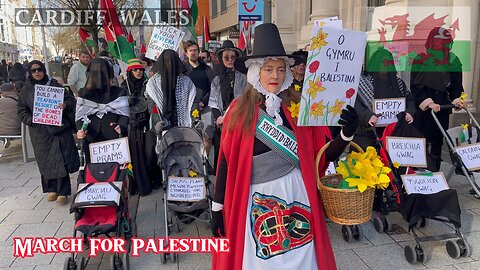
{"x": 103, "y": 106}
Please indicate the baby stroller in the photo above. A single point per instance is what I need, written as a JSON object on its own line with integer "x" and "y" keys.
{"x": 181, "y": 154}
{"x": 453, "y": 138}
{"x": 102, "y": 217}
{"x": 416, "y": 208}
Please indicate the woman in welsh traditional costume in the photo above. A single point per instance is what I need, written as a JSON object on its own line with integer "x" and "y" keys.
{"x": 266, "y": 202}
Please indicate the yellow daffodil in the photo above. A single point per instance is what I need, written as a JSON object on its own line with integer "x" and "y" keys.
{"x": 130, "y": 167}
{"x": 463, "y": 96}
{"x": 464, "y": 126}
{"x": 317, "y": 109}
{"x": 294, "y": 109}
{"x": 297, "y": 88}
{"x": 192, "y": 173}
{"x": 315, "y": 87}
{"x": 396, "y": 165}
{"x": 337, "y": 108}
{"x": 195, "y": 113}
{"x": 319, "y": 40}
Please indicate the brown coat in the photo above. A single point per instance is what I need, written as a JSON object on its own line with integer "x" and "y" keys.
{"x": 9, "y": 120}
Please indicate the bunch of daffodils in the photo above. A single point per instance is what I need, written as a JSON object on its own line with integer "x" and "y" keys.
{"x": 363, "y": 171}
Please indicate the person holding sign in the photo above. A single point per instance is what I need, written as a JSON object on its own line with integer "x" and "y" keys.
{"x": 380, "y": 83}
{"x": 432, "y": 89}
{"x": 266, "y": 170}
{"x": 54, "y": 148}
{"x": 171, "y": 92}
{"x": 101, "y": 106}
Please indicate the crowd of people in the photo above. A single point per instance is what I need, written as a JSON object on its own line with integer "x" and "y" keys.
{"x": 231, "y": 97}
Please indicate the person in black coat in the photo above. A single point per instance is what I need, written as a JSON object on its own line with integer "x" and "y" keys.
{"x": 54, "y": 146}
{"x": 102, "y": 106}
{"x": 438, "y": 81}
{"x": 135, "y": 84}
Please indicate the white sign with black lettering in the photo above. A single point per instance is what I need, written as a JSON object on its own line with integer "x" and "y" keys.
{"x": 110, "y": 151}
{"x": 99, "y": 192}
{"x": 424, "y": 184}
{"x": 470, "y": 155}
{"x": 388, "y": 109}
{"x": 188, "y": 189}
{"x": 407, "y": 151}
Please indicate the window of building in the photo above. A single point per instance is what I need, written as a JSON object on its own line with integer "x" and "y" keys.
{"x": 214, "y": 8}
{"x": 2, "y": 31}
{"x": 223, "y": 5}
{"x": 372, "y": 4}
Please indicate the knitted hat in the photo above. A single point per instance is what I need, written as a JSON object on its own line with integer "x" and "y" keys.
{"x": 135, "y": 63}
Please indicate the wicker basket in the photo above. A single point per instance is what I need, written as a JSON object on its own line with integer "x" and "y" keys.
{"x": 344, "y": 206}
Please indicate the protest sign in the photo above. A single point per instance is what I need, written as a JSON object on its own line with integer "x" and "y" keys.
{"x": 470, "y": 155}
{"x": 163, "y": 37}
{"x": 110, "y": 151}
{"x": 332, "y": 75}
{"x": 424, "y": 183}
{"x": 407, "y": 151}
{"x": 388, "y": 109}
{"x": 332, "y": 22}
{"x": 45, "y": 107}
{"x": 97, "y": 193}
{"x": 185, "y": 189}
{"x": 214, "y": 45}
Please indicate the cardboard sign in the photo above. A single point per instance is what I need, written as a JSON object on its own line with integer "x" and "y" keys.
{"x": 214, "y": 45}
{"x": 332, "y": 75}
{"x": 470, "y": 155}
{"x": 188, "y": 189}
{"x": 388, "y": 108}
{"x": 407, "y": 151}
{"x": 424, "y": 184}
{"x": 163, "y": 37}
{"x": 99, "y": 192}
{"x": 110, "y": 151}
{"x": 45, "y": 107}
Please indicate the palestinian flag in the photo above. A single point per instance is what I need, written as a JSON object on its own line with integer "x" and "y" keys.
{"x": 192, "y": 8}
{"x": 117, "y": 41}
{"x": 86, "y": 37}
{"x": 131, "y": 41}
{"x": 143, "y": 49}
{"x": 206, "y": 33}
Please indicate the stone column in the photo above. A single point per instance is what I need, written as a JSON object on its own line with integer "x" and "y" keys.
{"x": 320, "y": 9}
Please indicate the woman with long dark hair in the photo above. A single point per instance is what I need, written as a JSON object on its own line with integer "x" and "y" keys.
{"x": 101, "y": 105}
{"x": 53, "y": 146}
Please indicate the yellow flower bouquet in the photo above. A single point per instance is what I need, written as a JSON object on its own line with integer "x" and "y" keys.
{"x": 363, "y": 170}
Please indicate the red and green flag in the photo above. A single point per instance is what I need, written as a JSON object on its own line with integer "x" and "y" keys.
{"x": 206, "y": 32}
{"x": 192, "y": 8}
{"x": 117, "y": 41}
{"x": 86, "y": 37}
{"x": 131, "y": 41}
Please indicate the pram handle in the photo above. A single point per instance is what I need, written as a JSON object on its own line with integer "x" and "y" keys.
{"x": 447, "y": 107}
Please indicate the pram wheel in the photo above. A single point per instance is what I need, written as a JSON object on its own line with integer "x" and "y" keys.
{"x": 414, "y": 255}
{"x": 173, "y": 257}
{"x": 81, "y": 263}
{"x": 453, "y": 249}
{"x": 120, "y": 264}
{"x": 163, "y": 258}
{"x": 465, "y": 248}
{"x": 382, "y": 224}
{"x": 69, "y": 264}
{"x": 422, "y": 223}
{"x": 351, "y": 232}
{"x": 125, "y": 261}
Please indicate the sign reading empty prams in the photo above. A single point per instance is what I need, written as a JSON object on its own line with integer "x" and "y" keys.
{"x": 110, "y": 151}
{"x": 424, "y": 184}
{"x": 185, "y": 189}
{"x": 407, "y": 151}
{"x": 388, "y": 110}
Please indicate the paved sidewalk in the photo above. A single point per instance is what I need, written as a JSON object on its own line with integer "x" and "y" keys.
{"x": 24, "y": 211}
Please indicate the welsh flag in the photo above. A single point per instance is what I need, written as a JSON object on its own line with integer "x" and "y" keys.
{"x": 86, "y": 37}
{"x": 192, "y": 7}
{"x": 117, "y": 42}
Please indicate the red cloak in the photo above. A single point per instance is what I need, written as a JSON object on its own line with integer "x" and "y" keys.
{"x": 238, "y": 150}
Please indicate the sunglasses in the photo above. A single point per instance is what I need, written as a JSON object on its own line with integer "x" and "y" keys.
{"x": 137, "y": 69}
{"x": 34, "y": 70}
{"x": 203, "y": 57}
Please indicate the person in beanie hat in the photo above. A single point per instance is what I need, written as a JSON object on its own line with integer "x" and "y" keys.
{"x": 8, "y": 110}
{"x": 260, "y": 179}
{"x": 226, "y": 86}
